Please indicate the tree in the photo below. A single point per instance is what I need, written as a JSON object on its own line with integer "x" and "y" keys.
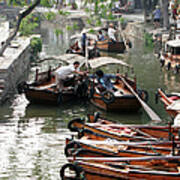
{"x": 145, "y": 10}
{"x": 21, "y": 16}
{"x": 165, "y": 14}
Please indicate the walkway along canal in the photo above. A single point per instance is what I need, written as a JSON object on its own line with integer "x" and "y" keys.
{"x": 32, "y": 136}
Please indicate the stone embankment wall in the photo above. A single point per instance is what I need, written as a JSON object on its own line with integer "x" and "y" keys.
{"x": 134, "y": 30}
{"x": 13, "y": 64}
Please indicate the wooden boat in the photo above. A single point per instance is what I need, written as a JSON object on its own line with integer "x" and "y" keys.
{"x": 74, "y": 49}
{"x": 171, "y": 103}
{"x": 101, "y": 132}
{"x": 89, "y": 148}
{"x": 109, "y": 171}
{"x": 92, "y": 50}
{"x": 148, "y": 131}
{"x": 121, "y": 99}
{"x": 163, "y": 132}
{"x": 43, "y": 89}
{"x": 172, "y": 55}
{"x": 124, "y": 7}
{"x": 162, "y": 144}
{"x": 109, "y": 46}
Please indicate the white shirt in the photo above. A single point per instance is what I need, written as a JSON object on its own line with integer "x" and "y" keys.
{"x": 178, "y": 24}
{"x": 64, "y": 71}
{"x": 111, "y": 33}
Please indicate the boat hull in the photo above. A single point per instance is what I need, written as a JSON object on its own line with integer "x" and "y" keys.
{"x": 167, "y": 102}
{"x": 48, "y": 97}
{"x": 123, "y": 104}
{"x": 99, "y": 171}
{"x": 118, "y": 47}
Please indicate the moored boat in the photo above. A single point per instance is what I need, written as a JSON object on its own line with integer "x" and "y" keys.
{"x": 109, "y": 46}
{"x": 108, "y": 171}
{"x": 90, "y": 148}
{"x": 44, "y": 89}
{"x": 171, "y": 102}
{"x": 171, "y": 58}
{"x": 120, "y": 98}
{"x": 102, "y": 129}
{"x": 102, "y": 132}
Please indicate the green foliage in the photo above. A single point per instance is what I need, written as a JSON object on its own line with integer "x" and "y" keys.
{"x": 58, "y": 32}
{"x": 28, "y": 25}
{"x": 89, "y": 21}
{"x": 17, "y": 2}
{"x": 148, "y": 39}
{"x": 110, "y": 16}
{"x": 98, "y": 22}
{"x": 46, "y": 3}
{"x": 92, "y": 31}
{"x": 104, "y": 11}
{"x": 69, "y": 28}
{"x": 50, "y": 16}
{"x": 75, "y": 26}
{"x": 36, "y": 45}
{"x": 122, "y": 20}
{"x": 96, "y": 8}
{"x": 87, "y": 10}
{"x": 63, "y": 13}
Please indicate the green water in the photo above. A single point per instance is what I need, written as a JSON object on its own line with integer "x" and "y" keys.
{"x": 32, "y": 136}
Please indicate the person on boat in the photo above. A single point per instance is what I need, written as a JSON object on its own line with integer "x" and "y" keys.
{"x": 178, "y": 24}
{"x": 157, "y": 17}
{"x": 63, "y": 73}
{"x": 104, "y": 81}
{"x": 101, "y": 36}
{"x": 162, "y": 59}
{"x": 83, "y": 43}
{"x": 111, "y": 33}
{"x": 75, "y": 48}
{"x": 94, "y": 52}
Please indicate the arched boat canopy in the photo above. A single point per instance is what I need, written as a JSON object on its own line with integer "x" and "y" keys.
{"x": 102, "y": 61}
{"x": 173, "y": 43}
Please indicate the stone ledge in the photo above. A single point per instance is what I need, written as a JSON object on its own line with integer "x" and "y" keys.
{"x": 14, "y": 65}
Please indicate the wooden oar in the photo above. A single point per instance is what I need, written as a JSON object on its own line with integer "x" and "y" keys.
{"x": 118, "y": 159}
{"x": 149, "y": 111}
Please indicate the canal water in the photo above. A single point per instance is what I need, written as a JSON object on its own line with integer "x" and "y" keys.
{"x": 32, "y": 137}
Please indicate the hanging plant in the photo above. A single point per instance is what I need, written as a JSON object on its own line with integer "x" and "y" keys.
{"x": 36, "y": 45}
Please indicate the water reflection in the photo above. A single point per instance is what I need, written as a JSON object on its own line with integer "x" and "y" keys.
{"x": 19, "y": 106}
